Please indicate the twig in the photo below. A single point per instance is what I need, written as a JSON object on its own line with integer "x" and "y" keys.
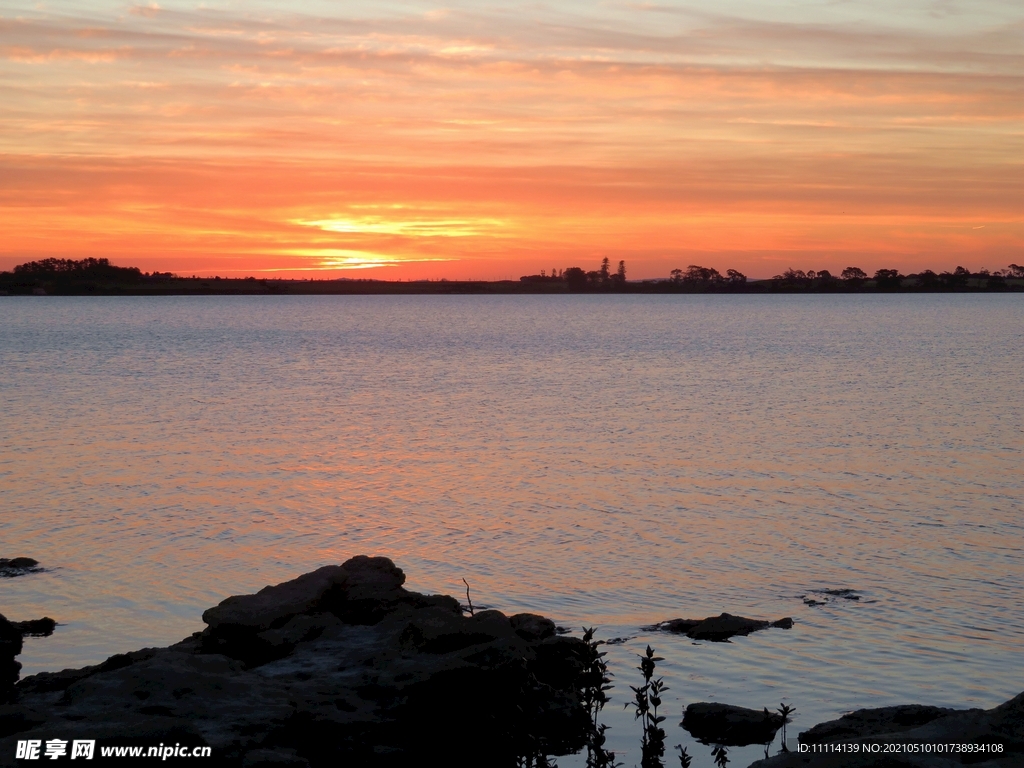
{"x": 468, "y": 601}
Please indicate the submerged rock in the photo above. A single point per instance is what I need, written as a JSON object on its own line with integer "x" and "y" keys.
{"x": 718, "y": 628}
{"x": 899, "y": 737}
{"x": 831, "y": 594}
{"x": 36, "y": 627}
{"x": 18, "y": 566}
{"x": 341, "y": 666}
{"x": 730, "y": 726}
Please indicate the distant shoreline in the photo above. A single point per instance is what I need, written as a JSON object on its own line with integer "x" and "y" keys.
{"x": 185, "y": 286}
{"x": 98, "y": 277}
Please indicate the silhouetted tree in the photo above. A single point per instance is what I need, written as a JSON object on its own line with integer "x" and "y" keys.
{"x": 676, "y": 276}
{"x": 852, "y": 274}
{"x": 957, "y": 278}
{"x": 792, "y": 277}
{"x": 888, "y": 279}
{"x": 64, "y": 270}
{"x": 1016, "y": 270}
{"x": 696, "y": 274}
{"x": 575, "y": 277}
{"x": 735, "y": 277}
{"x": 605, "y": 270}
{"x": 620, "y": 275}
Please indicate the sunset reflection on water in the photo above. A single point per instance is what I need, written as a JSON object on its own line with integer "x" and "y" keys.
{"x": 608, "y": 460}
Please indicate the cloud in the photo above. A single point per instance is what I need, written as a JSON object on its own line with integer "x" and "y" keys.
{"x": 480, "y": 132}
{"x": 149, "y": 11}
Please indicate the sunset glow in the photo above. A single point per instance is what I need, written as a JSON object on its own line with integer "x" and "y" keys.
{"x": 478, "y": 140}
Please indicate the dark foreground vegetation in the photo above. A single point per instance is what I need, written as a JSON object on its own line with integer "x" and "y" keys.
{"x": 344, "y": 666}
{"x": 65, "y": 277}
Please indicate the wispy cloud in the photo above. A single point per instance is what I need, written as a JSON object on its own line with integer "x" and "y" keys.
{"x": 478, "y": 132}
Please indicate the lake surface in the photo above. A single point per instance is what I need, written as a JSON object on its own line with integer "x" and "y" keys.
{"x": 604, "y": 460}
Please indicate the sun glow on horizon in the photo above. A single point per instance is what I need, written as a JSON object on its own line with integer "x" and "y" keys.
{"x": 500, "y": 140}
{"x": 340, "y": 258}
{"x": 381, "y": 225}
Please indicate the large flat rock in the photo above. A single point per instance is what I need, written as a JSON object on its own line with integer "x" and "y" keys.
{"x": 341, "y": 666}
{"x": 911, "y": 728}
{"x": 719, "y": 628}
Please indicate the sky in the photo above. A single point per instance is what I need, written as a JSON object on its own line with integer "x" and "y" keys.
{"x": 490, "y": 140}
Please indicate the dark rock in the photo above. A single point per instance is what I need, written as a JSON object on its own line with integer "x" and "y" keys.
{"x": 917, "y": 725}
{"x": 846, "y": 594}
{"x": 362, "y": 591}
{"x": 865, "y": 722}
{"x": 340, "y": 666}
{"x": 679, "y": 626}
{"x": 18, "y": 566}
{"x": 274, "y": 758}
{"x": 36, "y": 627}
{"x": 730, "y": 726}
{"x": 718, "y": 628}
{"x": 10, "y": 646}
{"x": 530, "y": 626}
{"x": 830, "y": 594}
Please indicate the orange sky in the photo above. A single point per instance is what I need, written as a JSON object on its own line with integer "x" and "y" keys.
{"x": 408, "y": 140}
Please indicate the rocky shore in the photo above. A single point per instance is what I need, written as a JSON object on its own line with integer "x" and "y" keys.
{"x": 344, "y": 666}
{"x": 913, "y": 736}
{"x": 341, "y": 666}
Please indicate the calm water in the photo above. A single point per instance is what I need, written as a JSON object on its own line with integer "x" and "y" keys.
{"x": 608, "y": 460}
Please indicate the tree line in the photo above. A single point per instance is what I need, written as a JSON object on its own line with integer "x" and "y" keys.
{"x": 69, "y": 270}
{"x": 577, "y": 277}
{"x": 696, "y": 277}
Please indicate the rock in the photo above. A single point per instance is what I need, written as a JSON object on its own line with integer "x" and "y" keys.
{"x": 18, "y": 566}
{"x": 530, "y": 626}
{"x": 10, "y": 646}
{"x": 679, "y": 626}
{"x": 362, "y": 591}
{"x": 730, "y": 726}
{"x": 918, "y": 725}
{"x": 865, "y": 722}
{"x": 274, "y": 758}
{"x": 718, "y": 628}
{"x": 339, "y": 666}
{"x": 36, "y": 627}
{"x": 830, "y": 594}
{"x": 846, "y": 594}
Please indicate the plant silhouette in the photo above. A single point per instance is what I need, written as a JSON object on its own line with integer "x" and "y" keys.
{"x": 596, "y": 684}
{"x": 785, "y": 710}
{"x": 647, "y": 699}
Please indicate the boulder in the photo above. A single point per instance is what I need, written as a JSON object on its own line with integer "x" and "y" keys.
{"x": 918, "y": 725}
{"x": 361, "y": 591}
{"x": 10, "y": 646}
{"x": 18, "y": 566}
{"x": 718, "y": 628}
{"x": 865, "y": 722}
{"x": 730, "y": 726}
{"x": 342, "y": 666}
{"x": 36, "y": 627}
{"x": 530, "y": 626}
